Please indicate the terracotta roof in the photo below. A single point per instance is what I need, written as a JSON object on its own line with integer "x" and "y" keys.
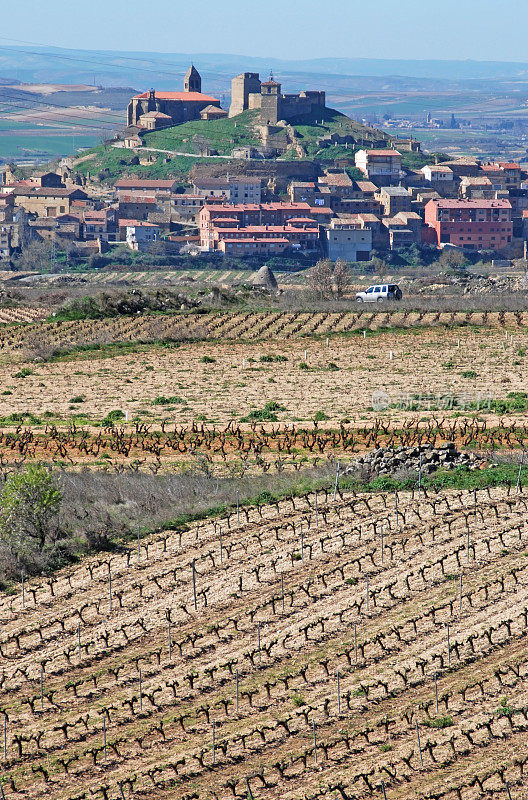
{"x": 128, "y": 183}
{"x": 366, "y": 186}
{"x": 255, "y": 239}
{"x": 188, "y": 97}
{"x": 337, "y": 179}
{"x": 135, "y": 223}
{"x": 322, "y": 210}
{"x": 269, "y": 228}
{"x": 214, "y": 110}
{"x": 128, "y": 198}
{"x": 481, "y": 180}
{"x": 385, "y": 152}
{"x": 368, "y": 217}
{"x": 155, "y": 115}
{"x": 244, "y": 207}
{"x": 442, "y": 203}
{"x": 437, "y": 168}
{"x": 44, "y": 191}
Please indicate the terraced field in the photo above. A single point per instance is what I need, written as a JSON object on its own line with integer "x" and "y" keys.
{"x": 330, "y": 646}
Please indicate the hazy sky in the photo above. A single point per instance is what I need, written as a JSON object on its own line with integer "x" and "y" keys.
{"x": 460, "y": 29}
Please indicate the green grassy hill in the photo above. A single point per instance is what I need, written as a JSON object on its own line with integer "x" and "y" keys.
{"x": 223, "y": 136}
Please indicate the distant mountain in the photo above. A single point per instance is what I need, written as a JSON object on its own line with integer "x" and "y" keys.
{"x": 114, "y": 68}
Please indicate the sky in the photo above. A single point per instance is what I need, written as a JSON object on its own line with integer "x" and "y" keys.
{"x": 483, "y": 30}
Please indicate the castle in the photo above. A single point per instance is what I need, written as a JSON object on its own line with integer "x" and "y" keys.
{"x": 248, "y": 91}
{"x": 152, "y": 110}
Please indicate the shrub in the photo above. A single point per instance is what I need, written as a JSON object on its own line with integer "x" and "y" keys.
{"x": 303, "y": 365}
{"x": 167, "y": 401}
{"x": 23, "y": 373}
{"x": 29, "y": 514}
{"x": 78, "y": 399}
{"x": 298, "y": 700}
{"x": 271, "y": 359}
{"x": 113, "y": 416}
{"x": 208, "y": 360}
{"x": 439, "y": 722}
{"x": 469, "y": 373}
{"x": 266, "y": 414}
{"x": 319, "y": 416}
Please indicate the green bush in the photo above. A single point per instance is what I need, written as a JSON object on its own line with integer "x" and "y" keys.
{"x": 167, "y": 401}
{"x": 208, "y": 360}
{"x": 113, "y": 416}
{"x": 319, "y": 416}
{"x": 271, "y": 359}
{"x": 439, "y": 722}
{"x": 23, "y": 373}
{"x": 266, "y": 414}
{"x": 298, "y": 700}
{"x": 30, "y": 503}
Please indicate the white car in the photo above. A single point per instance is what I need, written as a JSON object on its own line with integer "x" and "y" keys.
{"x": 377, "y": 294}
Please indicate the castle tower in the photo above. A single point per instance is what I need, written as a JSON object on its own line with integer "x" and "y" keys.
{"x": 241, "y": 87}
{"x": 192, "y": 81}
{"x": 270, "y": 101}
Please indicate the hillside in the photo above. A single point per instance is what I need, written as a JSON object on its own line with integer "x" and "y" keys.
{"x": 223, "y": 136}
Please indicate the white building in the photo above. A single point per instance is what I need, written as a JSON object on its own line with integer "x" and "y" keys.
{"x": 348, "y": 241}
{"x": 140, "y": 235}
{"x": 436, "y": 173}
{"x": 380, "y": 166}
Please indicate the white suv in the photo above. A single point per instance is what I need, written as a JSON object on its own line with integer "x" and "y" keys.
{"x": 376, "y": 294}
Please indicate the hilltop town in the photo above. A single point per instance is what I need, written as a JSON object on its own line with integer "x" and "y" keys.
{"x": 273, "y": 175}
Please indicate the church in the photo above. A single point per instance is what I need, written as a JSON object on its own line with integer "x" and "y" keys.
{"x": 153, "y": 110}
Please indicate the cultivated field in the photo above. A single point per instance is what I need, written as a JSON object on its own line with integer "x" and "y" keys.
{"x": 356, "y": 647}
{"x": 248, "y": 364}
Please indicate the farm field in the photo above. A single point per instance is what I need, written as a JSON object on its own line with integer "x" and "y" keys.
{"x": 352, "y": 647}
{"x": 253, "y": 392}
{"x": 247, "y": 364}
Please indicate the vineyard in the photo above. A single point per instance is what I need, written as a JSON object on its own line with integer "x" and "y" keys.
{"x": 246, "y": 326}
{"x": 336, "y": 645}
{"x": 24, "y": 314}
{"x": 249, "y": 448}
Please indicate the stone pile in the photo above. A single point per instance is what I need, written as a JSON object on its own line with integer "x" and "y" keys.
{"x": 385, "y": 461}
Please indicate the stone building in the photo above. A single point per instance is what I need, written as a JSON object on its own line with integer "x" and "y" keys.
{"x": 241, "y": 87}
{"x": 249, "y": 92}
{"x": 177, "y": 107}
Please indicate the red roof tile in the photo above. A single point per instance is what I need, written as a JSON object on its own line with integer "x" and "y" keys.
{"x": 189, "y": 97}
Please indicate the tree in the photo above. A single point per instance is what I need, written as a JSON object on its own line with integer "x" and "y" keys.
{"x": 36, "y": 256}
{"x": 30, "y": 502}
{"x": 320, "y": 278}
{"x": 341, "y": 275}
{"x": 453, "y": 259}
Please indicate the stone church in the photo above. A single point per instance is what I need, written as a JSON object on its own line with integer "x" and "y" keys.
{"x": 152, "y": 110}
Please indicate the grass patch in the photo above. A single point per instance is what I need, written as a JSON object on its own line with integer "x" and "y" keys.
{"x": 439, "y": 722}
{"x": 266, "y": 414}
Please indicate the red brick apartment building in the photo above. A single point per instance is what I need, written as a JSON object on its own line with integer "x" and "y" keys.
{"x": 472, "y": 224}
{"x": 258, "y": 228}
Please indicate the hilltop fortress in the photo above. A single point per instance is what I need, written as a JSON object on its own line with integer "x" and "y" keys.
{"x": 152, "y": 110}
{"x": 249, "y": 92}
